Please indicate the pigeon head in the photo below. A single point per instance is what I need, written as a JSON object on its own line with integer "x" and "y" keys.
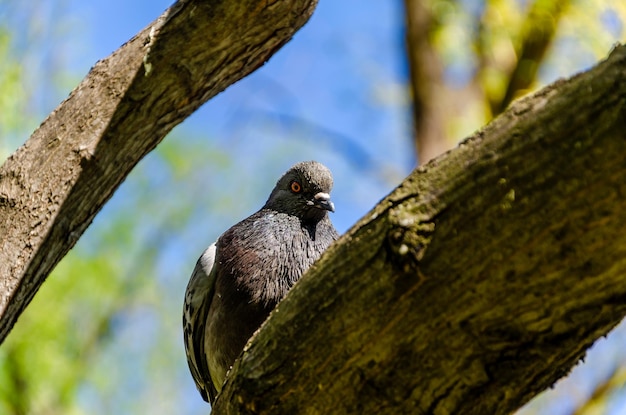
{"x": 303, "y": 191}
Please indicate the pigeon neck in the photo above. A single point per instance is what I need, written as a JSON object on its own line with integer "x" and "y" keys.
{"x": 310, "y": 229}
{"x": 311, "y": 226}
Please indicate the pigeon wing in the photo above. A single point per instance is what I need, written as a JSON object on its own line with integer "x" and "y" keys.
{"x": 198, "y": 297}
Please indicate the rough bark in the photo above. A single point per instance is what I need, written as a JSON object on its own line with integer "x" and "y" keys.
{"x": 474, "y": 285}
{"x": 52, "y": 187}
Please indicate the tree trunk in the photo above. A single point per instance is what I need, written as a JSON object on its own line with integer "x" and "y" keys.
{"x": 429, "y": 95}
{"x": 476, "y": 284}
{"x": 53, "y": 186}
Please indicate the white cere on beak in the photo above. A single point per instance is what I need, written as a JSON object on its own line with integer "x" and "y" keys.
{"x": 322, "y": 201}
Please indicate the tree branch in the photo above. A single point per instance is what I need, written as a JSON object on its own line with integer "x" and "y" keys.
{"x": 53, "y": 186}
{"x": 475, "y": 284}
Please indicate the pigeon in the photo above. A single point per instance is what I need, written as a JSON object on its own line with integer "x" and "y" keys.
{"x": 240, "y": 278}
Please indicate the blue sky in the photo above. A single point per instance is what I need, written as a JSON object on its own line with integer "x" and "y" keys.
{"x": 352, "y": 102}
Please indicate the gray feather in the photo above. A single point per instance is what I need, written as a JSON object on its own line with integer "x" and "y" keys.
{"x": 198, "y": 298}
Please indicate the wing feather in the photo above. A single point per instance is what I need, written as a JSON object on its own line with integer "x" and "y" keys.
{"x": 198, "y": 297}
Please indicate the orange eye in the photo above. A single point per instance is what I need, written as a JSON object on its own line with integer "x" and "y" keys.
{"x": 295, "y": 187}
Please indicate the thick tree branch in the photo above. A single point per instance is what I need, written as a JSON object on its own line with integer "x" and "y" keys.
{"x": 53, "y": 186}
{"x": 473, "y": 286}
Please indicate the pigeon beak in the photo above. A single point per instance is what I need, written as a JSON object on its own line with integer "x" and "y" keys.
{"x": 322, "y": 201}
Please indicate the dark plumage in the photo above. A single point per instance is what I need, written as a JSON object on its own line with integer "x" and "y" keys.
{"x": 240, "y": 279}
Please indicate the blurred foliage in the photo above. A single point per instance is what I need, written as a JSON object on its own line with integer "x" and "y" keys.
{"x": 62, "y": 356}
{"x": 34, "y": 72}
{"x": 13, "y": 99}
{"x": 103, "y": 334}
{"x": 486, "y": 46}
